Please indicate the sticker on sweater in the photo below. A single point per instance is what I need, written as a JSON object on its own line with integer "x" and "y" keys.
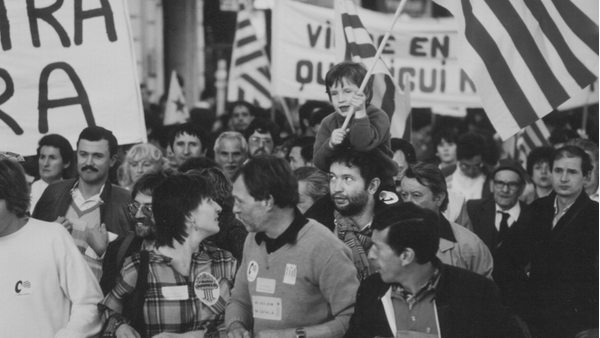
{"x": 179, "y": 292}
{"x": 291, "y": 270}
{"x": 252, "y": 271}
{"x": 207, "y": 288}
{"x": 265, "y": 285}
{"x": 23, "y": 288}
{"x": 266, "y": 307}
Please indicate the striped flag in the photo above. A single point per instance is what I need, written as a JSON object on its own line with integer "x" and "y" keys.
{"x": 354, "y": 43}
{"x": 531, "y": 137}
{"x": 526, "y": 57}
{"x": 249, "y": 73}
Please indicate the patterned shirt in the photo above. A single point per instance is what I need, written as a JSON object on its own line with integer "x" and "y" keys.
{"x": 176, "y": 303}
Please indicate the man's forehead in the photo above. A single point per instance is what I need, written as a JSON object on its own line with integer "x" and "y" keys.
{"x": 568, "y": 163}
{"x": 507, "y": 174}
{"x": 230, "y": 144}
{"x": 412, "y": 184}
{"x": 186, "y": 136}
{"x": 142, "y": 198}
{"x": 338, "y": 168}
{"x": 266, "y": 135}
{"x": 98, "y": 146}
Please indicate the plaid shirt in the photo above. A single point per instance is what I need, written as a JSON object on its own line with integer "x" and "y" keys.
{"x": 182, "y": 312}
{"x": 427, "y": 288}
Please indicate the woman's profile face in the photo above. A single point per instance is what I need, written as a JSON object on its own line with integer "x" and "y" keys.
{"x": 206, "y": 217}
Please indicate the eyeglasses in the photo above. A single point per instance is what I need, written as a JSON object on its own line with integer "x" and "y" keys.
{"x": 257, "y": 140}
{"x": 134, "y": 207}
{"x": 466, "y": 166}
{"x": 501, "y": 184}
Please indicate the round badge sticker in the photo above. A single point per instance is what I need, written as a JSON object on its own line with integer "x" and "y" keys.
{"x": 207, "y": 288}
{"x": 252, "y": 271}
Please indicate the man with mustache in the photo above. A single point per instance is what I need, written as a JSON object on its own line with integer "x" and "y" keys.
{"x": 231, "y": 150}
{"x": 144, "y": 234}
{"x": 262, "y": 136}
{"x": 89, "y": 207}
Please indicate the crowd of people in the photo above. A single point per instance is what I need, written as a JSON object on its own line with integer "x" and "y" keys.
{"x": 234, "y": 232}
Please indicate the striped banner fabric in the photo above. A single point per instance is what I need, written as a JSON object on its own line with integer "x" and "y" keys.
{"x": 526, "y": 57}
{"x": 354, "y": 43}
{"x": 249, "y": 73}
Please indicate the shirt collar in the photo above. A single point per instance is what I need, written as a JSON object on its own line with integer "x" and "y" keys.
{"x": 556, "y": 206}
{"x": 289, "y": 236}
{"x": 446, "y": 229}
{"x": 399, "y": 291}
{"x": 514, "y": 212}
{"x": 76, "y": 194}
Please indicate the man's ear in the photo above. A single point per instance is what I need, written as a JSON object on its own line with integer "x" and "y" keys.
{"x": 374, "y": 185}
{"x": 407, "y": 256}
{"x": 269, "y": 202}
{"x": 113, "y": 160}
{"x": 439, "y": 199}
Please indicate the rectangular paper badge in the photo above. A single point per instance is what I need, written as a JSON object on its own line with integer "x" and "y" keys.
{"x": 266, "y": 307}
{"x": 291, "y": 270}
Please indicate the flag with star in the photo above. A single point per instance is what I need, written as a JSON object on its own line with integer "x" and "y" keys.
{"x": 250, "y": 71}
{"x": 176, "y": 111}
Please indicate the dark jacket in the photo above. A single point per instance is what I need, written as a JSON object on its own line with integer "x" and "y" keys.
{"x": 468, "y": 305}
{"x": 560, "y": 296}
{"x": 482, "y": 213}
{"x": 56, "y": 199}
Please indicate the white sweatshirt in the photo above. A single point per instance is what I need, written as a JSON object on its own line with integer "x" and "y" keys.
{"x": 46, "y": 287}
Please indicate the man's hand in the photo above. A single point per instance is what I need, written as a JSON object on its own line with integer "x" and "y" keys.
{"x": 337, "y": 137}
{"x": 237, "y": 330}
{"x": 126, "y": 331}
{"x": 97, "y": 239}
{"x": 358, "y": 101}
{"x": 65, "y": 223}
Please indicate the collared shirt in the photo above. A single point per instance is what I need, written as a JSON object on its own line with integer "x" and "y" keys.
{"x": 287, "y": 237}
{"x": 470, "y": 188}
{"x": 558, "y": 216}
{"x": 176, "y": 303}
{"x": 416, "y": 313}
{"x": 595, "y": 196}
{"x": 513, "y": 213}
{"x": 82, "y": 203}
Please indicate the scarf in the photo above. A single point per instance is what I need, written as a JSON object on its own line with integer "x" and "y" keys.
{"x": 359, "y": 242}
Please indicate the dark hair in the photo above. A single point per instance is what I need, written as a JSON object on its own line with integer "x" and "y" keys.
{"x": 191, "y": 129}
{"x": 221, "y": 184}
{"x": 248, "y": 105}
{"x": 198, "y": 163}
{"x": 13, "y": 187}
{"x": 445, "y": 135}
{"x": 263, "y": 126}
{"x": 98, "y": 133}
{"x": 267, "y": 175}
{"x": 470, "y": 145}
{"x": 149, "y": 181}
{"x": 410, "y": 227}
{"x": 406, "y": 148}
{"x": 562, "y": 135}
{"x": 430, "y": 176}
{"x": 317, "y": 182}
{"x": 574, "y": 151}
{"x": 62, "y": 144}
{"x": 318, "y": 115}
{"x": 307, "y": 110}
{"x": 172, "y": 202}
{"x": 306, "y": 144}
{"x": 539, "y": 155}
{"x": 351, "y": 71}
{"x": 369, "y": 166}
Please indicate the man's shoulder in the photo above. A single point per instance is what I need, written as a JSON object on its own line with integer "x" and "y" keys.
{"x": 480, "y": 203}
{"x": 62, "y": 185}
{"x": 118, "y": 192}
{"x": 461, "y": 279}
{"x": 318, "y": 233}
{"x": 466, "y": 237}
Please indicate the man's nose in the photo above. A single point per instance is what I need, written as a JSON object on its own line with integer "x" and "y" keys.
{"x": 139, "y": 213}
{"x": 140, "y": 169}
{"x": 563, "y": 176}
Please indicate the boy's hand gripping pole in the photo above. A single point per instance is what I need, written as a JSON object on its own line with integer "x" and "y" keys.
{"x": 370, "y": 72}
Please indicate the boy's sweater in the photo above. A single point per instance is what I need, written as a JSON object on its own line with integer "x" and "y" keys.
{"x": 366, "y": 134}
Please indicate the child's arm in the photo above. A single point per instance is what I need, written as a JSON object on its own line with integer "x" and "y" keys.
{"x": 368, "y": 132}
{"x": 322, "y": 149}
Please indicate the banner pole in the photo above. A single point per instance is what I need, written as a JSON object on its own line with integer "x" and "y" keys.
{"x": 377, "y": 56}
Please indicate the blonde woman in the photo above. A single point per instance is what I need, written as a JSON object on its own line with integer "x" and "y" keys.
{"x": 140, "y": 159}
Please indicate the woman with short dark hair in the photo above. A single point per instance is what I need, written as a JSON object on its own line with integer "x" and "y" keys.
{"x": 183, "y": 284}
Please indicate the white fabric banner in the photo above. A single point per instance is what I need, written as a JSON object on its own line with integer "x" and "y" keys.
{"x": 426, "y": 49}
{"x": 64, "y": 66}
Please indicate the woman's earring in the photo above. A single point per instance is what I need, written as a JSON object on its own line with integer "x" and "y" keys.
{"x": 197, "y": 228}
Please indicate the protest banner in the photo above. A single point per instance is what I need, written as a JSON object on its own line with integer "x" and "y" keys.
{"x": 425, "y": 49}
{"x": 66, "y": 65}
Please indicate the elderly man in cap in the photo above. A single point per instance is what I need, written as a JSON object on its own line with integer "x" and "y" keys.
{"x": 493, "y": 218}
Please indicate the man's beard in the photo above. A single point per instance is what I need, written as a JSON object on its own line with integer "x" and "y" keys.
{"x": 356, "y": 204}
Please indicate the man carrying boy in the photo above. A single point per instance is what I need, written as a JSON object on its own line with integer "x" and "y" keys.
{"x": 368, "y": 129}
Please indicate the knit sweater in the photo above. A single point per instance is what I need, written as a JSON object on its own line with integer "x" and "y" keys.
{"x": 46, "y": 288}
{"x": 311, "y": 283}
{"x": 366, "y": 134}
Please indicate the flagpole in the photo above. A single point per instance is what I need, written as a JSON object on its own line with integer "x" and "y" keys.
{"x": 377, "y": 56}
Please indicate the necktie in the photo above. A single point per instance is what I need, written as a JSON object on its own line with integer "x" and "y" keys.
{"x": 503, "y": 233}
